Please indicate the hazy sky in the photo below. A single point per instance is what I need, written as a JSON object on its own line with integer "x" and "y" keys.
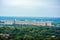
{"x": 30, "y": 8}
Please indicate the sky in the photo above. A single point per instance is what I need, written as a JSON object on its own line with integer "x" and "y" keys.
{"x": 30, "y": 8}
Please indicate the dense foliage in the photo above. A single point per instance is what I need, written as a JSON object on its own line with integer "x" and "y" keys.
{"x": 30, "y": 32}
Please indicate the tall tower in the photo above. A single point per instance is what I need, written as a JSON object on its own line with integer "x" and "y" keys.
{"x": 14, "y": 22}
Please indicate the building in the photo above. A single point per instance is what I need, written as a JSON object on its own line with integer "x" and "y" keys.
{"x": 27, "y": 22}
{"x": 4, "y": 35}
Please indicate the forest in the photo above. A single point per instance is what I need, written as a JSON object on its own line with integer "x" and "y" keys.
{"x": 29, "y": 32}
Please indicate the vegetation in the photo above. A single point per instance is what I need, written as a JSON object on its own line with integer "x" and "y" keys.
{"x": 30, "y": 32}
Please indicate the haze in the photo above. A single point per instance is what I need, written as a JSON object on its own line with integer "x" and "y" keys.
{"x": 30, "y": 8}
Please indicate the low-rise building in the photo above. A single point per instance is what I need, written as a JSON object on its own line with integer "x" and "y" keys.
{"x": 28, "y": 22}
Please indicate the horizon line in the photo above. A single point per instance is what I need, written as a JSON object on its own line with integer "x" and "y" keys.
{"x": 30, "y": 16}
